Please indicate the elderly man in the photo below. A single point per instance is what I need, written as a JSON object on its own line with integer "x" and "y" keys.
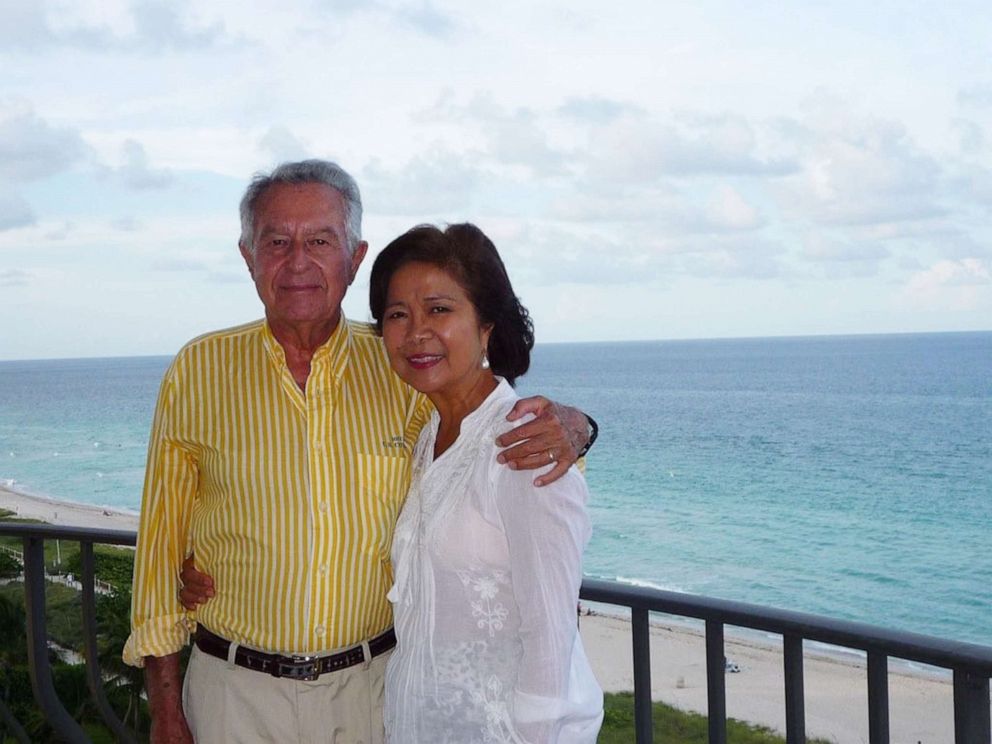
{"x": 279, "y": 454}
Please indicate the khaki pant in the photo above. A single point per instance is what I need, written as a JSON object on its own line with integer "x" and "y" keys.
{"x": 232, "y": 705}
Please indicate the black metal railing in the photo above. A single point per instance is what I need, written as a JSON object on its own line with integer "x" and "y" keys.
{"x": 970, "y": 664}
{"x": 34, "y": 537}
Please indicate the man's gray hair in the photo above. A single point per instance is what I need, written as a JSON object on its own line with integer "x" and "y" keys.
{"x": 302, "y": 172}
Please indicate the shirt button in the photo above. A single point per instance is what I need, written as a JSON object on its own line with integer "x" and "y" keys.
{"x": 323, "y": 570}
{"x": 319, "y": 630}
{"x": 318, "y": 443}
{"x": 322, "y": 506}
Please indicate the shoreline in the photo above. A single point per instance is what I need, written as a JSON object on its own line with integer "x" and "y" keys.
{"x": 920, "y": 702}
{"x": 66, "y": 513}
{"x": 762, "y": 639}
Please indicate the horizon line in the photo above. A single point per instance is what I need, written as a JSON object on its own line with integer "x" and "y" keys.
{"x": 781, "y": 337}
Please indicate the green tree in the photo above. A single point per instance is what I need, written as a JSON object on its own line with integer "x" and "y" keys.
{"x": 124, "y": 684}
{"x": 13, "y": 656}
{"x": 13, "y": 632}
{"x": 110, "y": 564}
{"x": 10, "y": 567}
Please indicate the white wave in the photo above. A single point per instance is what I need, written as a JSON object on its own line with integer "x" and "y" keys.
{"x": 649, "y": 584}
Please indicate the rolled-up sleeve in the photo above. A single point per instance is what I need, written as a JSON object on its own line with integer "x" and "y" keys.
{"x": 159, "y": 624}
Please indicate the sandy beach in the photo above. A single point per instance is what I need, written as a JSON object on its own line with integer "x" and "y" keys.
{"x": 66, "y": 513}
{"x": 921, "y": 705}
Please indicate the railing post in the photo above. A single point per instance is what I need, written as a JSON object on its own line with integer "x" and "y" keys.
{"x": 795, "y": 701}
{"x": 878, "y": 698}
{"x": 41, "y": 671}
{"x": 641, "y": 636}
{"x": 716, "y": 688}
{"x": 971, "y": 708}
{"x": 93, "y": 675}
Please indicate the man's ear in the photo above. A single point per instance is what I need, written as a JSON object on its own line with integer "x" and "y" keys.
{"x": 248, "y": 256}
{"x": 356, "y": 259}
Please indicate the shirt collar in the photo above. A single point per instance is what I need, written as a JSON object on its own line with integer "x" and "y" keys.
{"x": 331, "y": 357}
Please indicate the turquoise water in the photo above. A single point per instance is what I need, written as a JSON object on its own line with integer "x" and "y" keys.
{"x": 846, "y": 476}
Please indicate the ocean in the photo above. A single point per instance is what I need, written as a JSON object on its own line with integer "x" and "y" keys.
{"x": 845, "y": 476}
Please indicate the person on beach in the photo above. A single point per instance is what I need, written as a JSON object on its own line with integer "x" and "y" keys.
{"x": 280, "y": 455}
{"x": 487, "y": 574}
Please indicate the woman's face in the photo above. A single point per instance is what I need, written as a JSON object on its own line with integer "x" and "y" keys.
{"x": 432, "y": 333}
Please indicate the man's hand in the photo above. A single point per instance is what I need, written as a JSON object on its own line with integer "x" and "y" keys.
{"x": 556, "y": 435}
{"x": 165, "y": 701}
{"x": 197, "y": 587}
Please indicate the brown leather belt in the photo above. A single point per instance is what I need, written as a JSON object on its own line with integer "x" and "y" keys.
{"x": 303, "y": 668}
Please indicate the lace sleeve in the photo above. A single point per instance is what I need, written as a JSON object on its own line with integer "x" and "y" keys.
{"x": 546, "y": 529}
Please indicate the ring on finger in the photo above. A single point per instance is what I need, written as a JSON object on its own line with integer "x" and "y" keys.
{"x": 551, "y": 455}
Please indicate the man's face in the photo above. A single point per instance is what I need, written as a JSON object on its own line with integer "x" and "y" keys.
{"x": 300, "y": 260}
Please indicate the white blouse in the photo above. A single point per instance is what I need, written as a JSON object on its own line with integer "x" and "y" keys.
{"x": 488, "y": 569}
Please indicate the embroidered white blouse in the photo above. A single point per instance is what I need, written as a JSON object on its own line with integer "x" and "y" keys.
{"x": 487, "y": 572}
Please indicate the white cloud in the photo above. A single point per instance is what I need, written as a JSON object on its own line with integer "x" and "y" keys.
{"x": 282, "y": 144}
{"x": 137, "y": 172}
{"x": 639, "y": 149}
{"x": 597, "y": 110}
{"x": 672, "y": 156}
{"x": 662, "y": 203}
{"x": 861, "y": 172}
{"x": 24, "y": 24}
{"x": 957, "y": 285}
{"x": 978, "y": 95}
{"x": 822, "y": 247}
{"x": 100, "y": 25}
{"x": 14, "y": 278}
{"x": 518, "y": 137}
{"x": 127, "y": 224}
{"x": 730, "y": 210}
{"x": 31, "y": 148}
{"x": 14, "y": 210}
{"x": 425, "y": 18}
{"x": 737, "y": 257}
{"x": 429, "y": 184}
{"x": 967, "y": 271}
{"x": 972, "y": 136}
{"x": 178, "y": 264}
{"x": 165, "y": 25}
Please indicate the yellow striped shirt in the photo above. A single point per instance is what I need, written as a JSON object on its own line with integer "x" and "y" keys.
{"x": 288, "y": 499}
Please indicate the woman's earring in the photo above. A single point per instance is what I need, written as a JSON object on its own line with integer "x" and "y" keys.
{"x": 485, "y": 361}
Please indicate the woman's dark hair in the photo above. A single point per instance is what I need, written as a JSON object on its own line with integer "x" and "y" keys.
{"x": 470, "y": 257}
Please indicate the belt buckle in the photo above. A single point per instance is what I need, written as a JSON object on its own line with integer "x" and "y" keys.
{"x": 304, "y": 668}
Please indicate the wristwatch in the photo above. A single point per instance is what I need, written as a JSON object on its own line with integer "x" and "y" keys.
{"x": 592, "y": 431}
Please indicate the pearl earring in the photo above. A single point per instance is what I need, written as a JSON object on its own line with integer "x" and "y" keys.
{"x": 485, "y": 361}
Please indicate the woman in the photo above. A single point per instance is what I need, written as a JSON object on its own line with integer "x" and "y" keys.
{"x": 487, "y": 570}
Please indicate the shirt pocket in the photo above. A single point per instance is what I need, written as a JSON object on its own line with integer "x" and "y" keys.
{"x": 383, "y": 484}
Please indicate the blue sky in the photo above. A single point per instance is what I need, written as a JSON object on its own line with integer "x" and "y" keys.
{"x": 647, "y": 169}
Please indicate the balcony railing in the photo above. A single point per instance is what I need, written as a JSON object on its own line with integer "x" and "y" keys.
{"x": 970, "y": 664}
